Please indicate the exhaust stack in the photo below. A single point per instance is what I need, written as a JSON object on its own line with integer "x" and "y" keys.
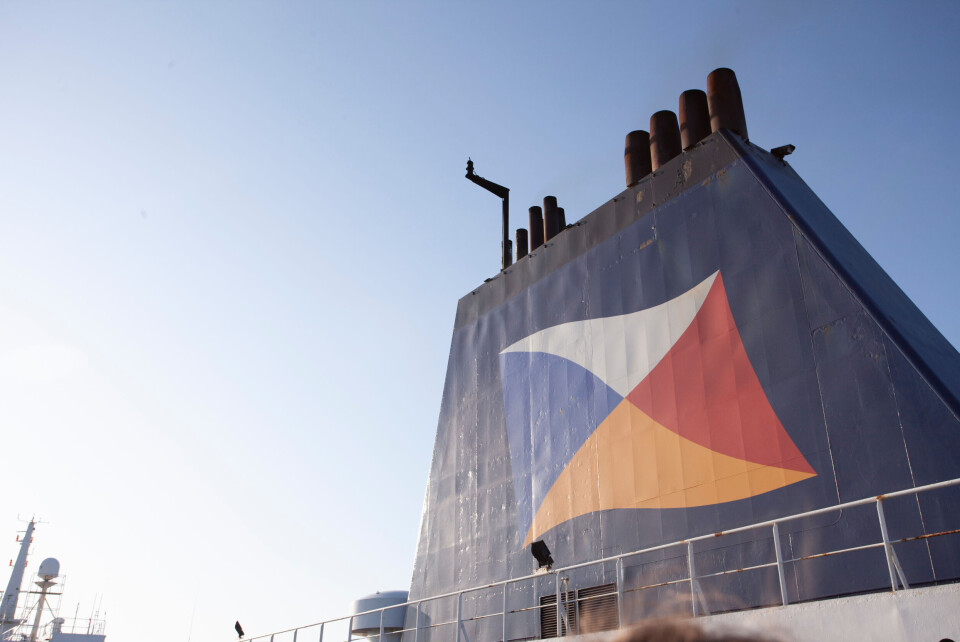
{"x": 725, "y": 101}
{"x": 664, "y": 138}
{"x": 521, "y": 243}
{"x": 701, "y": 113}
{"x": 636, "y": 156}
{"x": 536, "y": 227}
{"x": 551, "y": 218}
{"x": 694, "y": 118}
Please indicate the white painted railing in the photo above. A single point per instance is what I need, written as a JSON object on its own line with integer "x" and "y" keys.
{"x": 315, "y": 632}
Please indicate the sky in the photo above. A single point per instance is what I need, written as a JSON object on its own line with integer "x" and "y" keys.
{"x": 233, "y": 236}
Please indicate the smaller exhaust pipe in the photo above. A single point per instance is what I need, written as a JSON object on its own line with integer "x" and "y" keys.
{"x": 636, "y": 156}
{"x": 694, "y": 118}
{"x": 562, "y": 218}
{"x": 664, "y": 138}
{"x": 521, "y": 243}
{"x": 725, "y": 101}
{"x": 536, "y": 227}
{"x": 551, "y": 219}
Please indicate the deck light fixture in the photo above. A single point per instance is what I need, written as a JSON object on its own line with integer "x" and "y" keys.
{"x": 541, "y": 553}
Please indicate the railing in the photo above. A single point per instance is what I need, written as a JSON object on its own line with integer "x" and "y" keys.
{"x": 315, "y": 632}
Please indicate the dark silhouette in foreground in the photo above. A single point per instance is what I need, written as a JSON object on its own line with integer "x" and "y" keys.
{"x": 672, "y": 630}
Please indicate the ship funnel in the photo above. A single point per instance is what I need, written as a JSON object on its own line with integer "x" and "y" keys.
{"x": 536, "y": 227}
{"x": 694, "y": 117}
{"x": 521, "y": 243}
{"x": 551, "y": 218}
{"x": 636, "y": 156}
{"x": 725, "y": 102}
{"x": 700, "y": 114}
{"x": 664, "y": 138}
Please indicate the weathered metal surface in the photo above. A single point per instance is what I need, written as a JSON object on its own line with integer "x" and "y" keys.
{"x": 551, "y": 218}
{"x": 664, "y": 138}
{"x": 636, "y": 156}
{"x": 694, "y": 117}
{"x": 840, "y": 389}
{"x": 725, "y": 102}
{"x": 536, "y": 227}
{"x": 522, "y": 243}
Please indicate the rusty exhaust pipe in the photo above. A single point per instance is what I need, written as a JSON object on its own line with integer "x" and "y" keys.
{"x": 694, "y": 118}
{"x": 664, "y": 138}
{"x": 636, "y": 156}
{"x": 551, "y": 219}
{"x": 725, "y": 102}
{"x": 536, "y": 227}
{"x": 521, "y": 243}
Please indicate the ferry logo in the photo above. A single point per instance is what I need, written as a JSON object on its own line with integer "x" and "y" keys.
{"x": 655, "y": 409}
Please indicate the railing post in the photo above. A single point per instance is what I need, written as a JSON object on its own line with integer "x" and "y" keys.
{"x": 559, "y": 630}
{"x": 459, "y": 606}
{"x": 693, "y": 581}
{"x": 416, "y": 634}
{"x": 536, "y": 599}
{"x": 503, "y": 635}
{"x": 320, "y": 639}
{"x": 783, "y": 579}
{"x": 380, "y": 638}
{"x": 575, "y": 625}
{"x": 620, "y": 592}
{"x": 295, "y": 635}
{"x": 350, "y": 630}
{"x": 887, "y": 550}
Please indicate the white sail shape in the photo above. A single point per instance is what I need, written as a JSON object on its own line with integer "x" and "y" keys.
{"x": 620, "y": 350}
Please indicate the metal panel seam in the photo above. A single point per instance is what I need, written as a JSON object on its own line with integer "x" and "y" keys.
{"x": 861, "y": 296}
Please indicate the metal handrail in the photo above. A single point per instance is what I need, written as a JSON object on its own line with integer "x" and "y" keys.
{"x": 697, "y": 598}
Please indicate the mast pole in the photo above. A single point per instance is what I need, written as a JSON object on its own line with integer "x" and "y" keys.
{"x": 8, "y": 606}
{"x": 44, "y": 587}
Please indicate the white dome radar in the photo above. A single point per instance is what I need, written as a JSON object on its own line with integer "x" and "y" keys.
{"x": 49, "y": 569}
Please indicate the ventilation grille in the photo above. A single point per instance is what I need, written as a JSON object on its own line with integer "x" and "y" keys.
{"x": 597, "y": 608}
{"x": 587, "y": 610}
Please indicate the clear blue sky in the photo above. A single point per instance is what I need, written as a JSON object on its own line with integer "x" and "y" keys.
{"x": 233, "y": 236}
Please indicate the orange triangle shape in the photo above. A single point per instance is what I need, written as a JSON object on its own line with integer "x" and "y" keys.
{"x": 631, "y": 461}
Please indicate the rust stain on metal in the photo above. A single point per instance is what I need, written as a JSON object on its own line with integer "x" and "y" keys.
{"x": 687, "y": 170}
{"x": 917, "y": 537}
{"x": 645, "y": 244}
{"x": 650, "y": 586}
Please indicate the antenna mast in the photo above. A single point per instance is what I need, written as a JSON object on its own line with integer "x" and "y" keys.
{"x": 8, "y": 607}
{"x": 506, "y": 258}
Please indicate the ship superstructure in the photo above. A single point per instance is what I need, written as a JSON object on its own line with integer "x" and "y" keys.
{"x": 703, "y": 397}
{"x": 709, "y": 349}
{"x": 32, "y": 615}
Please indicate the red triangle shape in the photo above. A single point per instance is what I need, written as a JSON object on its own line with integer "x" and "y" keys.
{"x": 706, "y": 390}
